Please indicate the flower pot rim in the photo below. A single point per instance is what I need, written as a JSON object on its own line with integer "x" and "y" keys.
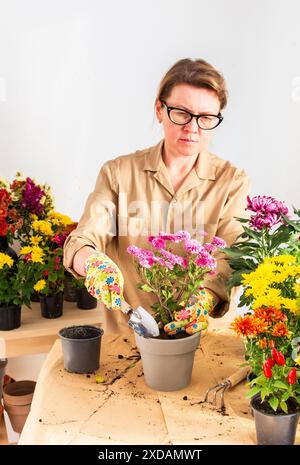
{"x": 10, "y": 391}
{"x": 100, "y": 333}
{"x": 282, "y": 414}
{"x": 10, "y": 305}
{"x": 173, "y": 341}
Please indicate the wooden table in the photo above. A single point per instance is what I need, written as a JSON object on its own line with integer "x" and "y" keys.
{"x": 37, "y": 334}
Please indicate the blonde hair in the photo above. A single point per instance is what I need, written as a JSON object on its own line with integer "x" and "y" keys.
{"x": 198, "y": 73}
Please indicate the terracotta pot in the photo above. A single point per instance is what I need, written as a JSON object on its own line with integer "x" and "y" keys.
{"x": 81, "y": 347}
{"x": 3, "y": 363}
{"x": 168, "y": 364}
{"x": 17, "y": 399}
{"x": 10, "y": 317}
{"x": 52, "y": 306}
{"x": 274, "y": 429}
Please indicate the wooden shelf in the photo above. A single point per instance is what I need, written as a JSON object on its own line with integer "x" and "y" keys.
{"x": 37, "y": 334}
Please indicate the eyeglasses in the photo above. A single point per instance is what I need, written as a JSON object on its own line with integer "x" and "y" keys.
{"x": 182, "y": 117}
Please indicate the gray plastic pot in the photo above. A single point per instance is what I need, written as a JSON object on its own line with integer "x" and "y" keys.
{"x": 168, "y": 364}
{"x": 274, "y": 429}
{"x": 3, "y": 363}
{"x": 81, "y": 347}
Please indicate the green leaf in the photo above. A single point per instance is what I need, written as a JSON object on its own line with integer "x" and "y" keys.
{"x": 274, "y": 402}
{"x": 280, "y": 385}
{"x": 253, "y": 391}
{"x": 285, "y": 396}
{"x": 264, "y": 393}
{"x": 146, "y": 288}
{"x": 284, "y": 406}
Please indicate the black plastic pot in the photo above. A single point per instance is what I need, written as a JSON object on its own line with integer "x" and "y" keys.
{"x": 10, "y": 317}
{"x": 35, "y": 297}
{"x": 274, "y": 429}
{"x": 5, "y": 248}
{"x": 52, "y": 306}
{"x": 70, "y": 292}
{"x": 3, "y": 363}
{"x": 81, "y": 347}
{"x": 85, "y": 301}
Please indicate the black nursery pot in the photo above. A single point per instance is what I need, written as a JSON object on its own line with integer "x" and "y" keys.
{"x": 274, "y": 429}
{"x": 35, "y": 297}
{"x": 85, "y": 301}
{"x": 70, "y": 292}
{"x": 81, "y": 347}
{"x": 10, "y": 317}
{"x": 52, "y": 306}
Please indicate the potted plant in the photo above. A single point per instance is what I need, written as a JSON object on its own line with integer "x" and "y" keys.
{"x": 14, "y": 292}
{"x": 174, "y": 271}
{"x": 275, "y": 401}
{"x": 31, "y": 201}
{"x": 43, "y": 254}
{"x": 10, "y": 220}
{"x": 266, "y": 264}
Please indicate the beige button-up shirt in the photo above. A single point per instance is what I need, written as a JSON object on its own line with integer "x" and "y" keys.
{"x": 134, "y": 198}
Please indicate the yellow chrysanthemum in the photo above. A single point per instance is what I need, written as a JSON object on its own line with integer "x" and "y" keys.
{"x": 60, "y": 219}
{"x": 37, "y": 257}
{"x": 43, "y": 227}
{"x": 25, "y": 250}
{"x": 297, "y": 360}
{"x": 5, "y": 260}
{"x": 35, "y": 240}
{"x": 39, "y": 286}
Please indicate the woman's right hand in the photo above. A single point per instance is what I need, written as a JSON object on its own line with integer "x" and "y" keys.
{"x": 80, "y": 258}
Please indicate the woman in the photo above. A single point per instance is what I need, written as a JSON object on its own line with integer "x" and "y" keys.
{"x": 174, "y": 185}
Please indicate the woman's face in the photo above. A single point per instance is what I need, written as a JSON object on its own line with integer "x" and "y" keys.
{"x": 189, "y": 139}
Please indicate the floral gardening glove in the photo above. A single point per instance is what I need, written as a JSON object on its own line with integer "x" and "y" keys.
{"x": 104, "y": 280}
{"x": 194, "y": 317}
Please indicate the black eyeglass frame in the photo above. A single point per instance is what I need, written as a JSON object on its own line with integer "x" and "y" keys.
{"x": 219, "y": 116}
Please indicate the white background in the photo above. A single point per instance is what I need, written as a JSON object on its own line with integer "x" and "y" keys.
{"x": 78, "y": 79}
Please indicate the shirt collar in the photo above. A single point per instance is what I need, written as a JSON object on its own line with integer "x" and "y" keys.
{"x": 204, "y": 167}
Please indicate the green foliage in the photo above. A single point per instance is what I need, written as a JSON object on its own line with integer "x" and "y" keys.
{"x": 276, "y": 391}
{"x": 252, "y": 247}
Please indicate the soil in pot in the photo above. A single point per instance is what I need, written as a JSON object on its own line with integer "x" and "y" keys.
{"x": 17, "y": 397}
{"x": 81, "y": 347}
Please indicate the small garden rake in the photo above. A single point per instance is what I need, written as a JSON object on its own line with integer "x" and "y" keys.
{"x": 228, "y": 383}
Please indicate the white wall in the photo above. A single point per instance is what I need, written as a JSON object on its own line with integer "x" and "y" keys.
{"x": 69, "y": 67}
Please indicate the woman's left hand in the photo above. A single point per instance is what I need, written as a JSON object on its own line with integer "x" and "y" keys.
{"x": 194, "y": 317}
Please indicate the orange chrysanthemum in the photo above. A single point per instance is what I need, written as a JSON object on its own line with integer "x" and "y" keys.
{"x": 249, "y": 325}
{"x": 280, "y": 329}
{"x": 269, "y": 315}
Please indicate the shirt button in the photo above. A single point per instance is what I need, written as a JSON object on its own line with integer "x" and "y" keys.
{"x": 174, "y": 200}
